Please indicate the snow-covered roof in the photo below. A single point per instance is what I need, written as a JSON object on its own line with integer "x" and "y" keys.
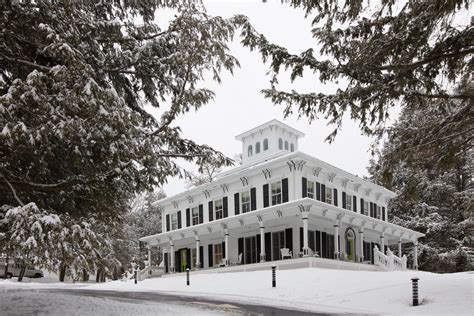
{"x": 269, "y": 124}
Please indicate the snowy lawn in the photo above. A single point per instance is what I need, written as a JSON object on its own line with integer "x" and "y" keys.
{"x": 314, "y": 289}
{"x": 324, "y": 290}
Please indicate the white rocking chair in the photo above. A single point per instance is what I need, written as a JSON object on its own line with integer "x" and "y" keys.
{"x": 286, "y": 253}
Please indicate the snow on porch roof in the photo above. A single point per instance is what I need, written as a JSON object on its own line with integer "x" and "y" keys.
{"x": 266, "y": 125}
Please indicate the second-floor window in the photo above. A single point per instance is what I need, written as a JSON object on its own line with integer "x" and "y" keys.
{"x": 174, "y": 221}
{"x": 379, "y": 212}
{"x": 366, "y": 208}
{"x": 195, "y": 215}
{"x": 257, "y": 148}
{"x": 310, "y": 189}
{"x": 219, "y": 209}
{"x": 245, "y": 201}
{"x": 329, "y": 195}
{"x": 276, "y": 193}
{"x": 349, "y": 202}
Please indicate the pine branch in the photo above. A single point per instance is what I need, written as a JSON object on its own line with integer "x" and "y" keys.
{"x": 25, "y": 62}
{"x": 13, "y": 191}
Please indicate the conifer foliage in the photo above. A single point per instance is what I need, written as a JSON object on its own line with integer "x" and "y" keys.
{"x": 76, "y": 141}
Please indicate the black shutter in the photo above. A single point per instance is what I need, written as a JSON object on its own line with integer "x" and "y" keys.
{"x": 253, "y": 199}
{"x": 289, "y": 238}
{"x": 372, "y": 246}
{"x": 301, "y": 239}
{"x": 371, "y": 209}
{"x": 167, "y": 222}
{"x": 224, "y": 202}
{"x": 177, "y": 261}
{"x": 165, "y": 258}
{"x": 209, "y": 255}
{"x": 318, "y": 242}
{"x": 323, "y": 193}
{"x": 335, "y": 196}
{"x": 318, "y": 191}
{"x": 362, "y": 206}
{"x": 201, "y": 214}
{"x": 268, "y": 246}
{"x": 240, "y": 248}
{"x": 188, "y": 217}
{"x": 223, "y": 249}
{"x": 344, "y": 200}
{"x": 284, "y": 184}
{"x": 383, "y": 213}
{"x": 304, "y": 185}
{"x": 324, "y": 248}
{"x": 354, "y": 203}
{"x": 236, "y": 204}
{"x": 210, "y": 207}
{"x": 179, "y": 219}
{"x": 201, "y": 256}
{"x": 375, "y": 210}
{"x": 188, "y": 259}
{"x": 266, "y": 200}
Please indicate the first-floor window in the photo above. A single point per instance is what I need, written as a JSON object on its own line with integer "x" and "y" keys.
{"x": 310, "y": 189}
{"x": 245, "y": 201}
{"x": 366, "y": 208}
{"x": 328, "y": 195}
{"x": 276, "y": 193}
{"x": 195, "y": 215}
{"x": 174, "y": 221}
{"x": 217, "y": 253}
{"x": 218, "y": 207}
{"x": 193, "y": 257}
{"x": 349, "y": 202}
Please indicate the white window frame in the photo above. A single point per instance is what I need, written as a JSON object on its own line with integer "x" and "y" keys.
{"x": 366, "y": 208}
{"x": 218, "y": 254}
{"x": 349, "y": 206}
{"x": 310, "y": 193}
{"x": 278, "y": 196}
{"x": 218, "y": 209}
{"x": 174, "y": 221}
{"x": 244, "y": 204}
{"x": 195, "y": 216}
{"x": 330, "y": 197}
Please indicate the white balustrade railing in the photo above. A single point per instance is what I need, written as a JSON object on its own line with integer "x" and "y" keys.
{"x": 389, "y": 261}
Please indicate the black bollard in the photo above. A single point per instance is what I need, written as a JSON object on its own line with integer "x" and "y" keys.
{"x": 136, "y": 275}
{"x": 414, "y": 285}
{"x": 187, "y": 276}
{"x": 274, "y": 281}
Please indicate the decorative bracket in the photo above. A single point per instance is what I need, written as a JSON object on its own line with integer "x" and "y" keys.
{"x": 331, "y": 177}
{"x": 316, "y": 171}
{"x": 182, "y": 235}
{"x": 279, "y": 213}
{"x": 344, "y": 182}
{"x": 377, "y": 196}
{"x": 175, "y": 204}
{"x": 300, "y": 165}
{"x": 260, "y": 218}
{"x": 357, "y": 186}
{"x": 291, "y": 165}
{"x": 325, "y": 212}
{"x": 209, "y": 229}
{"x": 266, "y": 174}
{"x": 241, "y": 221}
{"x": 245, "y": 181}
{"x": 190, "y": 199}
{"x": 207, "y": 194}
{"x": 367, "y": 191}
{"x": 225, "y": 188}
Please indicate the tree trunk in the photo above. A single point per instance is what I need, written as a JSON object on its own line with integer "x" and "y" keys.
{"x": 62, "y": 272}
{"x": 6, "y": 268}
{"x": 85, "y": 275}
{"x": 97, "y": 276}
{"x": 22, "y": 272}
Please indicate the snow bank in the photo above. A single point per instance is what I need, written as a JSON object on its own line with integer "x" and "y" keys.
{"x": 323, "y": 290}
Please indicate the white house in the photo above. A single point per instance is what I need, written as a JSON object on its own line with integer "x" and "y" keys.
{"x": 279, "y": 203}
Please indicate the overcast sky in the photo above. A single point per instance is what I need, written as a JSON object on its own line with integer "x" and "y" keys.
{"x": 239, "y": 106}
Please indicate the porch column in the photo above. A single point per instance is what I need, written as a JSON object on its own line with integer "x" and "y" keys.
{"x": 361, "y": 242}
{"x": 336, "y": 240}
{"x": 149, "y": 256}
{"x": 172, "y": 258}
{"x": 226, "y": 239}
{"x": 198, "y": 258}
{"x": 305, "y": 236}
{"x": 382, "y": 243}
{"x": 262, "y": 241}
{"x": 400, "y": 247}
{"x": 415, "y": 255}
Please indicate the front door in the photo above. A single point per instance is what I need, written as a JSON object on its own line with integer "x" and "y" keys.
{"x": 183, "y": 261}
{"x": 350, "y": 244}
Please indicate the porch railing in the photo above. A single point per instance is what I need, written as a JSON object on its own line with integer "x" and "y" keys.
{"x": 389, "y": 261}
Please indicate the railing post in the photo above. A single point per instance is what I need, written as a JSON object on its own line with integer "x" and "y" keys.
{"x": 414, "y": 284}
{"x": 187, "y": 276}
{"x": 274, "y": 282}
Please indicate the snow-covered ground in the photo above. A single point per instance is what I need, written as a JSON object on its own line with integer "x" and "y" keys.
{"x": 315, "y": 289}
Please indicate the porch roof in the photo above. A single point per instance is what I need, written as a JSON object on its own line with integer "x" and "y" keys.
{"x": 293, "y": 208}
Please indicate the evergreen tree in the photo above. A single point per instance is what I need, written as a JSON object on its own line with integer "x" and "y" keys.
{"x": 381, "y": 54}
{"x": 75, "y": 138}
{"x": 434, "y": 191}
